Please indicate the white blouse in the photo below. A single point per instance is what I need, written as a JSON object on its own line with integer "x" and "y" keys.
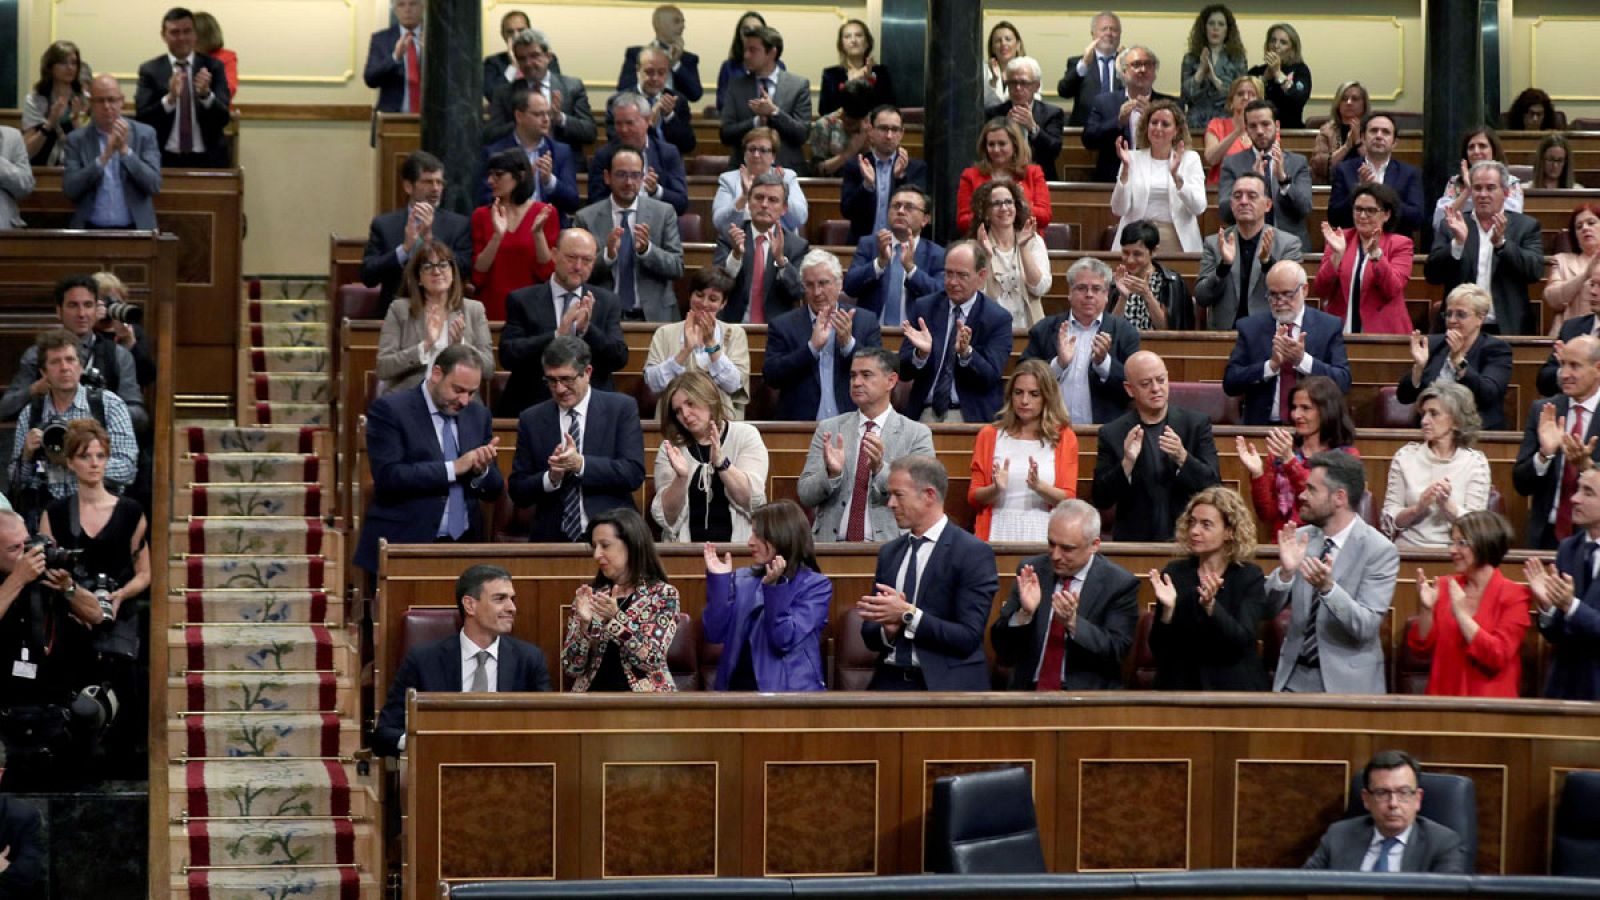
{"x": 1414, "y": 468}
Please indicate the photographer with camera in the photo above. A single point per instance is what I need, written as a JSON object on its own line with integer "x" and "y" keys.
{"x": 38, "y": 455}
{"x": 105, "y": 363}
{"x": 123, "y": 322}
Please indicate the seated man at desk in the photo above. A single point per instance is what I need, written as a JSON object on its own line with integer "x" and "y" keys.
{"x": 1391, "y": 837}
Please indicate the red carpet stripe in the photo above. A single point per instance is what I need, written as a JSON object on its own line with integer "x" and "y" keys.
{"x": 339, "y": 793}
{"x": 328, "y": 691}
{"x": 196, "y": 686}
{"x": 202, "y": 467}
{"x": 330, "y": 734}
{"x": 195, "y": 727}
{"x": 319, "y": 606}
{"x": 313, "y": 498}
{"x": 199, "y": 805}
{"x": 197, "y": 647}
{"x": 324, "y": 646}
{"x": 199, "y": 844}
{"x": 198, "y": 503}
{"x": 197, "y": 537}
{"x": 263, "y": 413}
{"x": 344, "y": 842}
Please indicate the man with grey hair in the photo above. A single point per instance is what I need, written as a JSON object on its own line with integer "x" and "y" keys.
{"x": 1497, "y": 249}
{"x": 931, "y": 591}
{"x": 1041, "y": 122}
{"x": 1077, "y": 638}
{"x": 759, "y": 255}
{"x": 1117, "y": 114}
{"x": 1095, "y": 73}
{"x": 394, "y": 60}
{"x": 679, "y": 65}
{"x": 1086, "y": 346}
{"x": 809, "y": 349}
{"x": 570, "y": 119}
{"x": 1277, "y": 348}
{"x": 664, "y": 176}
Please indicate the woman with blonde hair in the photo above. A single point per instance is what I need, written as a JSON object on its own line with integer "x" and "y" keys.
{"x": 1026, "y": 462}
{"x": 1340, "y": 136}
{"x": 1162, "y": 182}
{"x": 1225, "y": 135}
{"x": 1287, "y": 77}
{"x": 1019, "y": 263}
{"x": 711, "y": 472}
{"x": 1003, "y": 155}
{"x": 1210, "y": 603}
{"x": 436, "y": 315}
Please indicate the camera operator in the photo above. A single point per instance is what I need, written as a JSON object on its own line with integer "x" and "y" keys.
{"x": 105, "y": 364}
{"x": 38, "y": 467}
{"x": 123, "y": 322}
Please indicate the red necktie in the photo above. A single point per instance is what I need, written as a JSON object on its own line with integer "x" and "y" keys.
{"x": 413, "y": 78}
{"x": 758, "y": 283}
{"x": 1569, "y": 481}
{"x": 1287, "y": 376}
{"x": 1055, "y": 653}
{"x": 856, "y": 529}
{"x": 186, "y": 110}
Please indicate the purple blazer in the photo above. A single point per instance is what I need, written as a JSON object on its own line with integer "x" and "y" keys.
{"x": 787, "y": 639}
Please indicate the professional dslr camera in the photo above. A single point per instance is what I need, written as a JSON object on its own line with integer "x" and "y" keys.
{"x": 55, "y": 555}
{"x": 126, "y": 313}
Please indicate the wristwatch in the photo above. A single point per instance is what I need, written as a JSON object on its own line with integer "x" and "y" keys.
{"x": 908, "y": 618}
{"x": 725, "y": 465}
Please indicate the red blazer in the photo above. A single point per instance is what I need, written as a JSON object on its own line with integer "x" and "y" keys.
{"x": 1383, "y": 286}
{"x": 1490, "y": 666}
{"x": 516, "y": 264}
{"x": 1270, "y": 496}
{"x": 983, "y": 471}
{"x": 1033, "y": 187}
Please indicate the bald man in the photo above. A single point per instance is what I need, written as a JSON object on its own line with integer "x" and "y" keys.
{"x": 1559, "y": 444}
{"x": 1153, "y": 458}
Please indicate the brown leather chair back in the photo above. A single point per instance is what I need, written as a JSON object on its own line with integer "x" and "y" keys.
{"x": 1205, "y": 397}
{"x": 834, "y": 233}
{"x": 853, "y": 663}
{"x": 1061, "y": 236}
{"x": 423, "y": 625}
{"x": 1390, "y": 412}
{"x": 706, "y": 165}
{"x": 689, "y": 228}
{"x": 357, "y": 301}
{"x": 682, "y": 657}
{"x": 1410, "y": 667}
{"x": 1143, "y": 676}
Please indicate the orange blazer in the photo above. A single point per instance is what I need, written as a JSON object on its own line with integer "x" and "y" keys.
{"x": 1490, "y": 666}
{"x": 1033, "y": 187}
{"x": 983, "y": 471}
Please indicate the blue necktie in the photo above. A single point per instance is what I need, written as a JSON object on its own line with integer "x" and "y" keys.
{"x": 627, "y": 297}
{"x": 946, "y": 378}
{"x": 894, "y": 288}
{"x": 572, "y": 499}
{"x": 1107, "y": 83}
{"x": 455, "y": 505}
{"x": 1382, "y": 862}
{"x": 885, "y": 184}
{"x": 903, "y": 647}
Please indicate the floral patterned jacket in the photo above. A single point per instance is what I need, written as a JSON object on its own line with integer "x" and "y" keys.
{"x": 642, "y": 630}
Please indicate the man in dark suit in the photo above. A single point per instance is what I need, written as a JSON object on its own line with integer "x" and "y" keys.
{"x": 1153, "y": 458}
{"x": 1234, "y": 262}
{"x": 664, "y": 177}
{"x": 1391, "y": 837}
{"x": 498, "y": 68}
{"x": 670, "y": 115}
{"x": 555, "y": 173}
{"x": 393, "y": 234}
{"x": 867, "y": 185}
{"x": 932, "y": 591}
{"x": 1076, "y": 640}
{"x": 809, "y": 349}
{"x": 432, "y": 451}
{"x": 183, "y": 95}
{"x": 394, "y": 60}
{"x": 570, "y": 118}
{"x": 957, "y": 343}
{"x": 1377, "y": 163}
{"x": 1040, "y": 122}
{"x": 683, "y": 65}
{"x": 1096, "y": 72}
{"x": 1117, "y": 114}
{"x": 1559, "y": 444}
{"x": 482, "y": 657}
{"x": 537, "y": 314}
{"x": 113, "y": 167}
{"x": 1568, "y": 599}
{"x": 1508, "y": 243}
{"x": 770, "y": 96}
{"x": 1287, "y": 174}
{"x": 579, "y": 453}
{"x": 1278, "y": 348}
{"x": 1086, "y": 346}
{"x": 896, "y": 265}
{"x": 760, "y": 254}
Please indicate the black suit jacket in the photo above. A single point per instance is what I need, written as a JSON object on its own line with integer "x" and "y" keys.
{"x": 577, "y": 131}
{"x": 1404, "y": 178}
{"x": 677, "y": 130}
{"x": 1198, "y": 651}
{"x": 1108, "y": 611}
{"x": 859, "y": 203}
{"x": 613, "y": 457}
{"x": 154, "y": 75}
{"x": 685, "y": 76}
{"x": 1547, "y": 382}
{"x": 380, "y": 264}
{"x": 791, "y": 367}
{"x": 955, "y": 591}
{"x": 1488, "y": 372}
{"x": 436, "y": 668}
{"x": 783, "y": 288}
{"x": 1432, "y": 848}
{"x": 1108, "y": 395}
{"x": 1245, "y": 373}
{"x": 1046, "y": 144}
{"x": 1543, "y": 490}
{"x": 531, "y": 325}
{"x": 1517, "y": 263}
{"x": 1100, "y": 133}
{"x": 1082, "y": 89}
{"x": 1574, "y": 637}
{"x": 1149, "y": 503}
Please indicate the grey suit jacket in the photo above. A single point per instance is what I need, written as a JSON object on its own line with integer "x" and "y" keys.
{"x": 1290, "y": 205}
{"x": 401, "y": 363}
{"x": 141, "y": 173}
{"x": 828, "y": 496}
{"x": 1221, "y": 292}
{"x": 1350, "y": 621}
{"x": 793, "y": 121}
{"x": 578, "y": 126}
{"x": 658, "y": 267}
{"x": 16, "y": 177}
{"x": 1431, "y": 848}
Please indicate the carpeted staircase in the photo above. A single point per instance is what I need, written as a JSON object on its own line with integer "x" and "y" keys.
{"x": 265, "y": 799}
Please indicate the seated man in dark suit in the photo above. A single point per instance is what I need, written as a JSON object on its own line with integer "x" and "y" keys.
{"x": 1376, "y": 163}
{"x": 1391, "y": 837}
{"x": 555, "y": 173}
{"x": 1040, "y": 122}
{"x": 482, "y": 657}
{"x": 394, "y": 60}
{"x": 183, "y": 95}
{"x": 1568, "y": 597}
{"x": 579, "y": 453}
{"x": 664, "y": 177}
{"x": 1274, "y": 350}
{"x": 1096, "y": 72}
{"x": 957, "y": 343}
{"x": 393, "y": 234}
{"x": 670, "y": 114}
{"x": 1507, "y": 242}
{"x": 1152, "y": 459}
{"x": 537, "y": 314}
{"x": 1560, "y": 443}
{"x": 1117, "y": 114}
{"x": 498, "y": 68}
{"x": 896, "y": 265}
{"x": 809, "y": 349}
{"x": 867, "y": 185}
{"x": 759, "y": 255}
{"x": 1086, "y": 346}
{"x": 1071, "y": 615}
{"x": 571, "y": 120}
{"x": 432, "y": 452}
{"x": 933, "y": 588}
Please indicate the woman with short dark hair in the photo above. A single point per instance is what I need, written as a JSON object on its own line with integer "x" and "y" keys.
{"x": 1472, "y": 622}
{"x": 622, "y": 623}
{"x": 512, "y": 235}
{"x": 1143, "y": 291}
{"x": 1371, "y": 256}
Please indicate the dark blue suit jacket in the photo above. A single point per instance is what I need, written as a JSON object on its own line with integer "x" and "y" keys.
{"x": 154, "y": 74}
{"x": 685, "y": 79}
{"x": 979, "y": 382}
{"x": 864, "y": 284}
{"x": 1404, "y": 178}
{"x": 384, "y": 72}
{"x": 1108, "y": 396}
{"x": 1244, "y": 375}
{"x": 792, "y": 368}
{"x": 859, "y": 203}
{"x": 564, "y": 196}
{"x": 436, "y": 667}
{"x": 955, "y": 591}
{"x": 613, "y": 459}
{"x": 662, "y": 158}
{"x": 1575, "y": 638}
{"x": 1104, "y": 126}
{"x": 380, "y": 265}
{"x": 409, "y": 487}
{"x": 677, "y": 130}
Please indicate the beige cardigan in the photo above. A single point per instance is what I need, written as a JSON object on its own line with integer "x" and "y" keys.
{"x": 403, "y": 361}
{"x": 749, "y": 456}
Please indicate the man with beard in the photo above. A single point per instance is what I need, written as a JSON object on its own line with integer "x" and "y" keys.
{"x": 1277, "y": 348}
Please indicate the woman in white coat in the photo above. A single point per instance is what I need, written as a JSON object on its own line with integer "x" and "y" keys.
{"x": 1162, "y": 183}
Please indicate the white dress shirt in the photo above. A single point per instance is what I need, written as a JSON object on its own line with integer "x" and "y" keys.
{"x": 1396, "y": 853}
{"x": 1269, "y": 369}
{"x": 583, "y": 430}
{"x": 1074, "y": 380}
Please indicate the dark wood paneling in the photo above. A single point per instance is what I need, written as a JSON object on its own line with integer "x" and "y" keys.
{"x": 821, "y": 818}
{"x": 660, "y": 819}
{"x": 498, "y": 821}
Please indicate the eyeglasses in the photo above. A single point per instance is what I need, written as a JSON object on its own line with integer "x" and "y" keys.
{"x": 1366, "y": 210}
{"x": 890, "y": 129}
{"x": 903, "y": 206}
{"x": 442, "y": 265}
{"x": 634, "y": 175}
{"x": 1384, "y": 795}
{"x": 1459, "y": 314}
{"x": 1093, "y": 289}
{"x": 1006, "y": 203}
{"x": 756, "y": 150}
{"x": 1284, "y": 296}
{"x": 1140, "y": 64}
{"x": 565, "y": 381}
{"x": 1018, "y": 82}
